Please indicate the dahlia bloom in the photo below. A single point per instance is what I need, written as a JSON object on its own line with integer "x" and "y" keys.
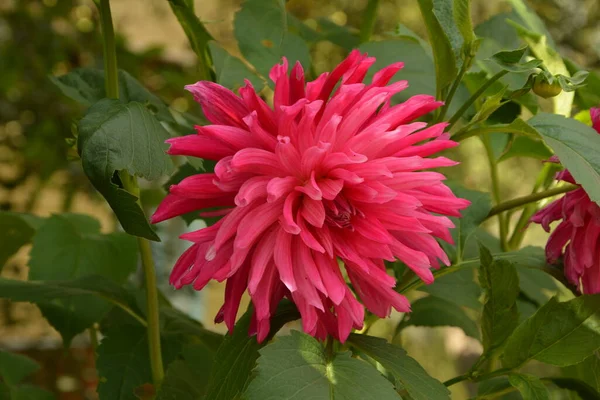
{"x": 576, "y": 238}
{"x": 332, "y": 173}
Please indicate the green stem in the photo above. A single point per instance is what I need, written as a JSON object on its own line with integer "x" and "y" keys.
{"x": 529, "y": 210}
{"x": 417, "y": 283}
{"x": 370, "y": 17}
{"x": 462, "y": 135}
{"x": 496, "y": 193}
{"x": 453, "y": 89}
{"x": 477, "y": 378}
{"x": 111, "y": 81}
{"x": 474, "y": 98}
{"x": 530, "y": 198}
{"x": 152, "y": 311}
{"x": 130, "y": 184}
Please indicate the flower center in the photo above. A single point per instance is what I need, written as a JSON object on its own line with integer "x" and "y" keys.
{"x": 339, "y": 213}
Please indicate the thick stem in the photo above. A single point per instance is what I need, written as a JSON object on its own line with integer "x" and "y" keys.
{"x": 370, "y": 17}
{"x": 130, "y": 184}
{"x": 460, "y": 136}
{"x": 496, "y": 193}
{"x": 522, "y": 201}
{"x": 152, "y": 311}
{"x": 474, "y": 98}
{"x": 111, "y": 78}
{"x": 477, "y": 378}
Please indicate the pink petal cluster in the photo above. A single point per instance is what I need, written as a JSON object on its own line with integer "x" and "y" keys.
{"x": 331, "y": 174}
{"x": 576, "y": 239}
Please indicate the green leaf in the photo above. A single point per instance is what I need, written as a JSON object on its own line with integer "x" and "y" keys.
{"x": 433, "y": 311}
{"x": 576, "y": 145}
{"x": 407, "y": 372}
{"x": 511, "y": 60}
{"x": 462, "y": 16}
{"x": 15, "y": 367}
{"x": 197, "y": 35}
{"x": 536, "y": 284}
{"x": 326, "y": 30}
{"x": 589, "y": 95}
{"x": 17, "y": 231}
{"x": 86, "y": 86}
{"x": 500, "y": 317}
{"x": 530, "y": 386}
{"x": 471, "y": 217}
{"x": 531, "y": 20}
{"x": 444, "y": 38}
{"x": 180, "y": 383}
{"x": 558, "y": 333}
{"x": 576, "y": 81}
{"x": 122, "y": 361}
{"x": 261, "y": 30}
{"x": 587, "y": 371}
{"x": 524, "y": 146}
{"x": 458, "y": 287}
{"x": 30, "y": 392}
{"x": 492, "y": 389}
{"x": 177, "y": 323}
{"x": 541, "y": 49}
{"x": 418, "y": 66}
{"x": 68, "y": 247}
{"x": 237, "y": 354}
{"x": 75, "y": 290}
{"x": 114, "y": 137}
{"x": 297, "y": 366}
{"x": 231, "y": 71}
{"x": 490, "y": 105}
{"x": 584, "y": 390}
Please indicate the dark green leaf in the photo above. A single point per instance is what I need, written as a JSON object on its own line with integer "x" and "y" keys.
{"x": 407, "y": 372}
{"x": 458, "y": 287}
{"x": 523, "y": 146}
{"x": 30, "y": 392}
{"x": 68, "y": 247}
{"x": 418, "y": 66}
{"x": 492, "y": 389}
{"x": 587, "y": 371}
{"x": 530, "y": 386}
{"x": 180, "y": 383}
{"x": 17, "y": 230}
{"x": 471, "y": 218}
{"x": 558, "y": 333}
{"x": 297, "y": 366}
{"x": 443, "y": 46}
{"x": 500, "y": 317}
{"x": 577, "y": 147}
{"x": 585, "y": 391}
{"x": 231, "y": 71}
{"x": 511, "y": 60}
{"x": 15, "y": 367}
{"x": 123, "y": 361}
{"x": 536, "y": 284}
{"x": 77, "y": 289}
{"x": 490, "y": 105}
{"x": 261, "y": 30}
{"x": 238, "y": 353}
{"x": 433, "y": 311}
{"x": 114, "y": 137}
{"x": 86, "y": 86}
{"x": 177, "y": 323}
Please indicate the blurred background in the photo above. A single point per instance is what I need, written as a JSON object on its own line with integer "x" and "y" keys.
{"x": 39, "y": 172}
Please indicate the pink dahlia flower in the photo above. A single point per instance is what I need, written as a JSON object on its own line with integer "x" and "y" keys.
{"x": 331, "y": 174}
{"x": 576, "y": 238}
